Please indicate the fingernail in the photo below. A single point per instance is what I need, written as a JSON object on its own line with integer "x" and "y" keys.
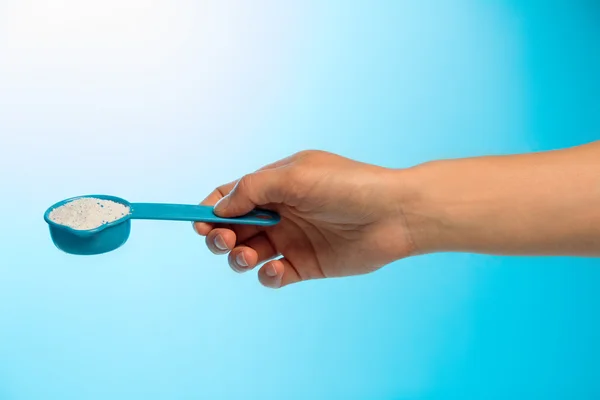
{"x": 271, "y": 271}
{"x": 241, "y": 260}
{"x": 220, "y": 243}
{"x": 194, "y": 226}
{"x": 222, "y": 204}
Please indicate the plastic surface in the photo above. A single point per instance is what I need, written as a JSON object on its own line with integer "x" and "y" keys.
{"x": 183, "y": 212}
{"x": 113, "y": 235}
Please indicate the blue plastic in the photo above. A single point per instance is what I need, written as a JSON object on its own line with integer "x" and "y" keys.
{"x": 113, "y": 235}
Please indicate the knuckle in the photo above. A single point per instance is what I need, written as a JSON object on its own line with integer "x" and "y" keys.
{"x": 248, "y": 188}
{"x": 306, "y": 154}
{"x": 312, "y": 158}
{"x": 244, "y": 183}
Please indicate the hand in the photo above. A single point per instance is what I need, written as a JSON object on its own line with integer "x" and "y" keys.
{"x": 339, "y": 217}
{"x": 342, "y": 217}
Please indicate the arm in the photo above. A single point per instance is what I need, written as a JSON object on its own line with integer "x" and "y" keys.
{"x": 533, "y": 204}
{"x": 341, "y": 217}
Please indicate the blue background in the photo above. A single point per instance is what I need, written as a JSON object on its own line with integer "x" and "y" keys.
{"x": 163, "y": 101}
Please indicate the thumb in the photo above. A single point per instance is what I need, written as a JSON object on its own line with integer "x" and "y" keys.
{"x": 256, "y": 189}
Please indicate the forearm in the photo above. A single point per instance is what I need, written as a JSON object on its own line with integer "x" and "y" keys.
{"x": 534, "y": 204}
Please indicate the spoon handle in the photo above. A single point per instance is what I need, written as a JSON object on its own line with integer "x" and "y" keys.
{"x": 199, "y": 213}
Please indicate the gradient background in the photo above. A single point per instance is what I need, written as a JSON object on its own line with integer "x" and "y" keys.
{"x": 164, "y": 100}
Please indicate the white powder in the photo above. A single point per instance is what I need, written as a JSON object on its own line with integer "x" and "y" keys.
{"x": 88, "y": 213}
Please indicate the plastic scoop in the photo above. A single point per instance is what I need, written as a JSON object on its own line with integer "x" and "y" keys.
{"x": 113, "y": 235}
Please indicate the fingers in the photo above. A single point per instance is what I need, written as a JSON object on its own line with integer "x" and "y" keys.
{"x": 241, "y": 232}
{"x": 220, "y": 240}
{"x": 248, "y": 255}
{"x": 256, "y": 189}
{"x": 278, "y": 273}
{"x": 202, "y": 228}
{"x": 263, "y": 187}
{"x": 273, "y": 274}
{"x": 245, "y": 256}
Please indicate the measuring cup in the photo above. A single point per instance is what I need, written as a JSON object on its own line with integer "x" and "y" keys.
{"x": 113, "y": 235}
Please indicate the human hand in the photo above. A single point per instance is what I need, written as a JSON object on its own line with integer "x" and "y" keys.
{"x": 339, "y": 217}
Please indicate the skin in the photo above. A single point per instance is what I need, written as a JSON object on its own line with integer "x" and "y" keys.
{"x": 341, "y": 217}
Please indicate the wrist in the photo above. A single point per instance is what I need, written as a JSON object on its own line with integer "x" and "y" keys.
{"x": 412, "y": 215}
{"x": 448, "y": 205}
{"x": 430, "y": 207}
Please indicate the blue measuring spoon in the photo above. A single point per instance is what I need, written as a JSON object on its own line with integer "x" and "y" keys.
{"x": 113, "y": 235}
